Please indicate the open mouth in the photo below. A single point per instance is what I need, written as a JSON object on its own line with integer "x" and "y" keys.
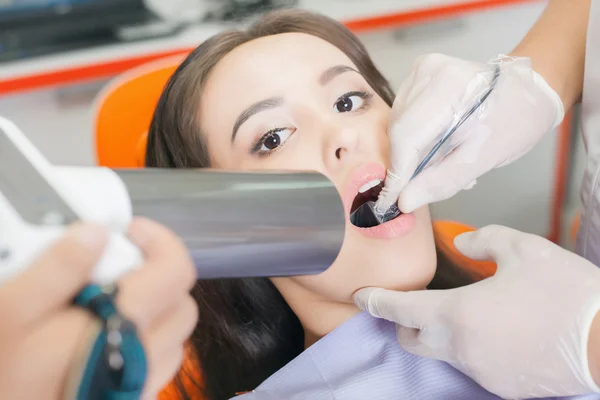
{"x": 368, "y": 180}
{"x": 367, "y": 192}
{"x": 362, "y": 213}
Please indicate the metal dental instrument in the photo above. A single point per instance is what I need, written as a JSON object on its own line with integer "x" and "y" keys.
{"x": 365, "y": 216}
{"x": 235, "y": 224}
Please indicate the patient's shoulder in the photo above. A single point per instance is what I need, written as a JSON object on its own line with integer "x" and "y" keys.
{"x": 445, "y": 232}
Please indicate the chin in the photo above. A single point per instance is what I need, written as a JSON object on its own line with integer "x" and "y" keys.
{"x": 416, "y": 281}
{"x": 403, "y": 263}
{"x": 411, "y": 272}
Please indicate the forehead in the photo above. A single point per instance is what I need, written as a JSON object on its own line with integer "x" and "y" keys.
{"x": 274, "y": 63}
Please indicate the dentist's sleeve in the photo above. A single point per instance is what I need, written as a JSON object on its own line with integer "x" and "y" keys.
{"x": 531, "y": 330}
{"x": 540, "y": 78}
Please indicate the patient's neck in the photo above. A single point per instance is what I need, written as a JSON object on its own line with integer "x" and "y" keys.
{"x": 327, "y": 318}
{"x": 318, "y": 315}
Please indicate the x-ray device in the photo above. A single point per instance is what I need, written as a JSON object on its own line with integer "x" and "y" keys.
{"x": 235, "y": 224}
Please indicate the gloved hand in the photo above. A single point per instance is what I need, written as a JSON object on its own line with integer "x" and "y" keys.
{"x": 522, "y": 333}
{"x": 513, "y": 118}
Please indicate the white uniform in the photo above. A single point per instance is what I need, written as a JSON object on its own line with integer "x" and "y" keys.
{"x": 588, "y": 238}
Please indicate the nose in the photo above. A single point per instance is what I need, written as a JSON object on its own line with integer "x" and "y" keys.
{"x": 342, "y": 142}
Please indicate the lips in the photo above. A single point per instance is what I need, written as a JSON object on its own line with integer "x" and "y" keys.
{"x": 365, "y": 179}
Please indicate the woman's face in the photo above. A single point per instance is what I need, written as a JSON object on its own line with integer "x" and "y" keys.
{"x": 294, "y": 101}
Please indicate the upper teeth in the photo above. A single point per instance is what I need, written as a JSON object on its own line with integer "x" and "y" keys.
{"x": 369, "y": 185}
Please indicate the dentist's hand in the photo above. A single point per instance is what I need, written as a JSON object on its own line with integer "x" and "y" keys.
{"x": 513, "y": 118}
{"x": 522, "y": 333}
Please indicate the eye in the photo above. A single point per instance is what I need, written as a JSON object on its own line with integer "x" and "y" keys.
{"x": 272, "y": 140}
{"x": 351, "y": 101}
{"x": 346, "y": 104}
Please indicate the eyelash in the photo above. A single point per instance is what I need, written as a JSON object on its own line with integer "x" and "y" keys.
{"x": 256, "y": 149}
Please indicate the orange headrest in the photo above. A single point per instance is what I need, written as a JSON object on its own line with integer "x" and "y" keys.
{"x": 575, "y": 223}
{"x": 124, "y": 111}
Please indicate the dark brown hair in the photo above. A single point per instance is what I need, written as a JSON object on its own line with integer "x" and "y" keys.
{"x": 246, "y": 330}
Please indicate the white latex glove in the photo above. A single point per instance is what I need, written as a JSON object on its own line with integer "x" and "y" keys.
{"x": 522, "y": 333}
{"x": 440, "y": 89}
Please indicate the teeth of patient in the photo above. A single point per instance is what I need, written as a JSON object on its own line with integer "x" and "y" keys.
{"x": 369, "y": 185}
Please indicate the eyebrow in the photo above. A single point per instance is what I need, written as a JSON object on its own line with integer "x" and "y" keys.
{"x": 273, "y": 102}
{"x": 257, "y": 107}
{"x": 334, "y": 71}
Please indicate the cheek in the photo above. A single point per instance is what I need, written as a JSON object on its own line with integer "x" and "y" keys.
{"x": 374, "y": 136}
{"x": 405, "y": 263}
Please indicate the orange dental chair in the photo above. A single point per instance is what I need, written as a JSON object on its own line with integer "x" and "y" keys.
{"x": 123, "y": 112}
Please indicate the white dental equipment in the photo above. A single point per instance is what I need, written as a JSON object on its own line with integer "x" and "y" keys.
{"x": 235, "y": 224}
